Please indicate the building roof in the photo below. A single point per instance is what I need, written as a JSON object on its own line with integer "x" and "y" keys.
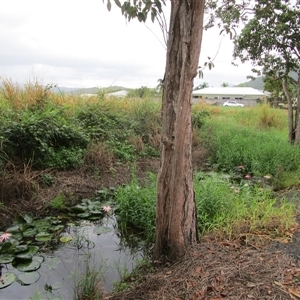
{"x": 122, "y": 93}
{"x": 244, "y": 91}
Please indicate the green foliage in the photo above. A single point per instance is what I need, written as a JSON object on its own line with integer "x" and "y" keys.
{"x": 59, "y": 202}
{"x": 120, "y": 125}
{"x": 270, "y": 41}
{"x": 88, "y": 286}
{"x": 234, "y": 209}
{"x": 226, "y": 205}
{"x": 102, "y": 121}
{"x": 105, "y": 123}
{"x": 199, "y": 117}
{"x": 261, "y": 152}
{"x": 140, "y": 11}
{"x": 44, "y": 138}
{"x": 136, "y": 207}
{"x": 143, "y": 92}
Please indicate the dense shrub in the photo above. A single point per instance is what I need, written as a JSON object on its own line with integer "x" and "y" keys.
{"x": 43, "y": 139}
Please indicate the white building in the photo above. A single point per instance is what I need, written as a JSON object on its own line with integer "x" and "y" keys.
{"x": 247, "y": 95}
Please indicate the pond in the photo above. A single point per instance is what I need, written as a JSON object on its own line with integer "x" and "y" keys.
{"x": 78, "y": 246}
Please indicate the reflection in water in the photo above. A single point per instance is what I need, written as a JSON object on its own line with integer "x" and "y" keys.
{"x": 64, "y": 266}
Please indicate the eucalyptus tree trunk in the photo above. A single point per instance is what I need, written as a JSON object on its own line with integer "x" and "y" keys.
{"x": 297, "y": 114}
{"x": 176, "y": 220}
{"x": 291, "y": 119}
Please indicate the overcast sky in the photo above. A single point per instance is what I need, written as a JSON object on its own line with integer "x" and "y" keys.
{"x": 76, "y": 43}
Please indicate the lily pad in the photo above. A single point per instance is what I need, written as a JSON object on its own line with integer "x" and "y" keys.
{"x": 28, "y": 254}
{"x": 101, "y": 230}
{"x": 8, "y": 247}
{"x": 17, "y": 236}
{"x": 79, "y": 208}
{"x": 23, "y": 219}
{"x": 57, "y": 227}
{"x": 7, "y": 279}
{"x": 43, "y": 237}
{"x": 29, "y": 266}
{"x": 84, "y": 215}
{"x": 42, "y": 225}
{"x": 28, "y": 278}
{"x": 30, "y": 232}
{"x": 6, "y": 258}
{"x": 21, "y": 248}
{"x": 13, "y": 229}
{"x": 40, "y": 259}
{"x": 66, "y": 238}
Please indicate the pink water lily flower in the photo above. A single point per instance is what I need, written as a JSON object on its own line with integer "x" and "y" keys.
{"x": 106, "y": 208}
{"x": 5, "y": 236}
{"x": 247, "y": 176}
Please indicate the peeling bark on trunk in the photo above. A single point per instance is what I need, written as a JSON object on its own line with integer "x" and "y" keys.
{"x": 297, "y": 116}
{"x": 291, "y": 121}
{"x": 176, "y": 221}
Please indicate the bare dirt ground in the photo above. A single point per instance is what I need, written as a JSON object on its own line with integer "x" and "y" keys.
{"x": 211, "y": 270}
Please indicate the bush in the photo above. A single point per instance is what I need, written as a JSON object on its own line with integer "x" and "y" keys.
{"x": 44, "y": 139}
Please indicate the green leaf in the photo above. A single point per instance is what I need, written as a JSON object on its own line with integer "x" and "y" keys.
{"x": 83, "y": 215}
{"x": 6, "y": 258}
{"x": 28, "y": 278}
{"x": 108, "y": 5}
{"x": 29, "y": 266}
{"x": 8, "y": 247}
{"x": 13, "y": 229}
{"x": 141, "y": 17}
{"x": 79, "y": 208}
{"x": 43, "y": 237}
{"x": 7, "y": 279}
{"x": 28, "y": 254}
{"x": 66, "y": 239}
{"x": 57, "y": 227}
{"x": 30, "y": 232}
{"x": 96, "y": 211}
{"x": 118, "y": 3}
{"x": 21, "y": 248}
{"x": 28, "y": 219}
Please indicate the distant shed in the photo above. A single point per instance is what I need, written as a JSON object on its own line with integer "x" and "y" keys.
{"x": 247, "y": 95}
{"x": 122, "y": 93}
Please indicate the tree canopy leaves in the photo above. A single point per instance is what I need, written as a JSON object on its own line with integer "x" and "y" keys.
{"x": 139, "y": 9}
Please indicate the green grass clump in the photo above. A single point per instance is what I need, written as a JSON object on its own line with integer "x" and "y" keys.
{"x": 261, "y": 152}
{"x": 136, "y": 207}
{"x": 229, "y": 209}
{"x": 225, "y": 207}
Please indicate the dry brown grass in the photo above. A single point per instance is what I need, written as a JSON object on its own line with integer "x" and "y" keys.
{"x": 18, "y": 182}
{"x": 32, "y": 94}
{"x": 97, "y": 155}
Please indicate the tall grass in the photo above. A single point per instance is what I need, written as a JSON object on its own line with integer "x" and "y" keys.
{"x": 260, "y": 149}
{"x": 229, "y": 211}
{"x": 136, "y": 207}
{"x": 225, "y": 208}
